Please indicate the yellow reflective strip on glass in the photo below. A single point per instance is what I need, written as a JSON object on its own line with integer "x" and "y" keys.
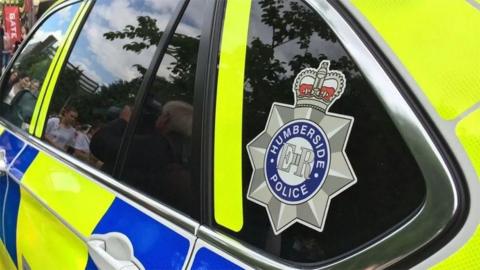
{"x": 438, "y": 41}
{"x": 468, "y": 257}
{"x": 228, "y": 150}
{"x": 78, "y": 200}
{"x": 44, "y": 242}
{"x": 5, "y": 260}
{"x": 43, "y": 90}
{"x": 72, "y": 29}
{"x": 468, "y": 132}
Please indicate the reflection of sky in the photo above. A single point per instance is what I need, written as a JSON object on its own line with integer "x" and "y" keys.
{"x": 190, "y": 25}
{"x": 106, "y": 61}
{"x": 56, "y": 25}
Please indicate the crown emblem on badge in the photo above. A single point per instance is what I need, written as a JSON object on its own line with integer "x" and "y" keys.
{"x": 318, "y": 88}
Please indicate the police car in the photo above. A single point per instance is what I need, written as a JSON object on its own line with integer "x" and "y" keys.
{"x": 313, "y": 134}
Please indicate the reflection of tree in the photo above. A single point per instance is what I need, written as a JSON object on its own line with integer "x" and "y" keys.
{"x": 292, "y": 27}
{"x": 179, "y": 85}
{"x": 35, "y": 64}
{"x": 182, "y": 48}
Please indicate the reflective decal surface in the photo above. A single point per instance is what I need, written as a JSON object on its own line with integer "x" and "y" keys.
{"x": 299, "y": 160}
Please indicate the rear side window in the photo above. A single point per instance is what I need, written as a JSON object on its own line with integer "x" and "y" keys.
{"x": 291, "y": 49}
{"x": 25, "y": 79}
{"x": 101, "y": 77}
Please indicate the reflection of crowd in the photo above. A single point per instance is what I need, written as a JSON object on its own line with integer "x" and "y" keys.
{"x": 18, "y": 82}
{"x": 19, "y": 101}
{"x": 64, "y": 133}
{"x": 158, "y": 160}
{"x": 8, "y": 46}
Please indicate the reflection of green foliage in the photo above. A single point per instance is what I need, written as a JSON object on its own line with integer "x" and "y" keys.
{"x": 182, "y": 48}
{"x": 266, "y": 75}
{"x": 35, "y": 65}
{"x": 146, "y": 31}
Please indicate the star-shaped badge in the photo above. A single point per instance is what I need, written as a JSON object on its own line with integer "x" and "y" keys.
{"x": 299, "y": 160}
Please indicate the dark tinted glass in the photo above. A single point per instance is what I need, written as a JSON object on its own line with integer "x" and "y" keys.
{"x": 159, "y": 158}
{"x": 284, "y": 38}
{"x": 25, "y": 78}
{"x": 101, "y": 78}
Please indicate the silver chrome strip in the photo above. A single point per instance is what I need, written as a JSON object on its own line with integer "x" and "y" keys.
{"x": 107, "y": 181}
{"x": 441, "y": 202}
{"x": 7, "y": 186}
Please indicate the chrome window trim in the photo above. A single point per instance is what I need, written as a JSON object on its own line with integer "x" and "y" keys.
{"x": 106, "y": 181}
{"x": 441, "y": 201}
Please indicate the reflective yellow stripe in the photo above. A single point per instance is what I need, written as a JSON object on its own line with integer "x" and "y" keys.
{"x": 5, "y": 259}
{"x": 44, "y": 242}
{"x": 78, "y": 200}
{"x": 468, "y": 131}
{"x": 2, "y": 129}
{"x": 61, "y": 54}
{"x": 439, "y": 44}
{"x": 468, "y": 257}
{"x": 228, "y": 117}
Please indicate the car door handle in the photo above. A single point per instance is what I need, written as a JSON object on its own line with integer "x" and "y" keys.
{"x": 3, "y": 162}
{"x": 113, "y": 251}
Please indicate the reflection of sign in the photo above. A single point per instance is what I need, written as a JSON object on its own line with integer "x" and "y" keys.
{"x": 299, "y": 161}
{"x": 27, "y": 6}
{"x": 13, "y": 27}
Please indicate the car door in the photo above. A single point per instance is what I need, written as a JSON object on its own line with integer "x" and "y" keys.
{"x": 33, "y": 61}
{"x": 79, "y": 206}
{"x": 314, "y": 159}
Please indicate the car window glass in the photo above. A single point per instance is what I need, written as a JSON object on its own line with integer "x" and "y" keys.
{"x": 285, "y": 38}
{"x": 25, "y": 79}
{"x": 159, "y": 157}
{"x": 102, "y": 75}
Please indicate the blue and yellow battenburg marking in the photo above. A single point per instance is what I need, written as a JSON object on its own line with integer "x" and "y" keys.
{"x": 299, "y": 160}
{"x": 34, "y": 235}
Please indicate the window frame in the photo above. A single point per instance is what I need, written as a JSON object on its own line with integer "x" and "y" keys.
{"x": 441, "y": 179}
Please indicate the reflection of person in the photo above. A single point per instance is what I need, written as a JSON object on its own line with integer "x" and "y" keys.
{"x": 2, "y": 36}
{"x": 175, "y": 122}
{"x": 23, "y": 83}
{"x": 60, "y": 131}
{"x": 82, "y": 144}
{"x": 158, "y": 155}
{"x": 105, "y": 142}
{"x": 34, "y": 87}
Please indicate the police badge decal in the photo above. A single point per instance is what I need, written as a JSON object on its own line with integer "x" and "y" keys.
{"x": 299, "y": 160}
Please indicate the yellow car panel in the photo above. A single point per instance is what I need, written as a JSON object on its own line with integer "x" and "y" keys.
{"x": 438, "y": 43}
{"x": 467, "y": 257}
{"x": 468, "y": 131}
{"x": 81, "y": 202}
{"x": 44, "y": 242}
{"x": 5, "y": 260}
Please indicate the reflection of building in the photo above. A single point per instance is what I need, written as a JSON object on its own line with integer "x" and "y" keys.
{"x": 86, "y": 84}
